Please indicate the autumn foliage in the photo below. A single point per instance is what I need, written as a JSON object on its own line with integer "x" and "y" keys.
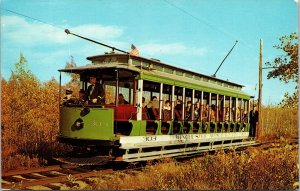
{"x": 29, "y": 118}
{"x": 286, "y": 67}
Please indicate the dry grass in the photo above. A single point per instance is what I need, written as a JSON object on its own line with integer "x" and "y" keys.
{"x": 250, "y": 170}
{"x": 279, "y": 123}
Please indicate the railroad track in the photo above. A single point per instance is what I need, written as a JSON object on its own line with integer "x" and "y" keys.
{"x": 49, "y": 177}
{"x": 278, "y": 144}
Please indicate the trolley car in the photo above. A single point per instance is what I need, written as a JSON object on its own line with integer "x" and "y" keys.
{"x": 204, "y": 113}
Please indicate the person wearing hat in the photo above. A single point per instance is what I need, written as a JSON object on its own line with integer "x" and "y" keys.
{"x": 253, "y": 120}
{"x": 68, "y": 96}
{"x": 122, "y": 100}
{"x": 95, "y": 92}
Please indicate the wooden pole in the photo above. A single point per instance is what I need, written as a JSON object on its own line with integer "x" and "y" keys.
{"x": 259, "y": 126}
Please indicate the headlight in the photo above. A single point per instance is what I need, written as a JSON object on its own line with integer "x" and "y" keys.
{"x": 77, "y": 125}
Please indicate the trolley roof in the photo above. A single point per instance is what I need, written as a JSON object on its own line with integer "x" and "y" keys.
{"x": 138, "y": 64}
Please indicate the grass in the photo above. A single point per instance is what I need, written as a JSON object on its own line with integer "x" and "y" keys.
{"x": 279, "y": 123}
{"x": 251, "y": 169}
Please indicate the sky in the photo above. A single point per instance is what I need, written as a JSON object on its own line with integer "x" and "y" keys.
{"x": 192, "y": 34}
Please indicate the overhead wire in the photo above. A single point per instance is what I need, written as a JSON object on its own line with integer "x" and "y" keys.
{"x": 201, "y": 20}
{"x": 41, "y": 21}
{"x": 214, "y": 27}
{"x": 32, "y": 18}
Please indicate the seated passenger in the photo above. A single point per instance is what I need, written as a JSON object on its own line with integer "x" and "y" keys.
{"x": 188, "y": 111}
{"x": 155, "y": 107}
{"x": 238, "y": 114}
{"x": 197, "y": 111}
{"x": 178, "y": 110}
{"x": 220, "y": 117}
{"x": 68, "y": 99}
{"x": 68, "y": 95}
{"x": 122, "y": 100}
{"x": 245, "y": 117}
{"x": 204, "y": 114}
{"x": 152, "y": 108}
{"x": 213, "y": 113}
{"x": 226, "y": 116}
{"x": 167, "y": 111}
{"x": 204, "y": 117}
{"x": 144, "y": 102}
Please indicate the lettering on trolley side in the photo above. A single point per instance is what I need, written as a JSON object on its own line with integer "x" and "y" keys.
{"x": 183, "y": 137}
{"x": 150, "y": 138}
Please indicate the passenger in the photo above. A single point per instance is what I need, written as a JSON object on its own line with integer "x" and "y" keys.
{"x": 155, "y": 107}
{"x": 151, "y": 108}
{"x": 245, "y": 117}
{"x": 144, "y": 102}
{"x": 167, "y": 111}
{"x": 155, "y": 102}
{"x": 213, "y": 113}
{"x": 253, "y": 121}
{"x": 67, "y": 100}
{"x": 220, "y": 117}
{"x": 167, "y": 105}
{"x": 204, "y": 114}
{"x": 178, "y": 110}
{"x": 204, "y": 117}
{"x": 197, "y": 111}
{"x": 68, "y": 95}
{"x": 95, "y": 92}
{"x": 238, "y": 114}
{"x": 226, "y": 117}
{"x": 232, "y": 112}
{"x": 188, "y": 111}
{"x": 122, "y": 100}
{"x": 144, "y": 109}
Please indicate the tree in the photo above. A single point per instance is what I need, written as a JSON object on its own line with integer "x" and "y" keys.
{"x": 286, "y": 66}
{"x": 30, "y": 115}
{"x": 74, "y": 77}
{"x": 74, "y": 83}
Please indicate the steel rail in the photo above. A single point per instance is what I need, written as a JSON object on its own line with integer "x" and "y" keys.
{"x": 42, "y": 169}
{"x": 61, "y": 178}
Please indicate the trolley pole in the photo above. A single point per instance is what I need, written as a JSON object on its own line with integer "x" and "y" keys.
{"x": 259, "y": 126}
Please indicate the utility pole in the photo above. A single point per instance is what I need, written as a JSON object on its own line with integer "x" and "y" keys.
{"x": 259, "y": 126}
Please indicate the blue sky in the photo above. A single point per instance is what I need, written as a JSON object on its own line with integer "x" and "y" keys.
{"x": 193, "y": 34}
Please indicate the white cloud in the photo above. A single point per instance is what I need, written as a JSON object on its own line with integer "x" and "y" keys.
{"x": 99, "y": 31}
{"x": 19, "y": 30}
{"x": 172, "y": 48}
{"x": 249, "y": 88}
{"x": 296, "y": 1}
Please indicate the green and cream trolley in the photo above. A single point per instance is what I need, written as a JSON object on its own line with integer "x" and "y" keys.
{"x": 170, "y": 112}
